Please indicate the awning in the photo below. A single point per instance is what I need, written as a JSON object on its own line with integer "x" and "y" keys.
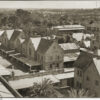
{"x": 28, "y": 82}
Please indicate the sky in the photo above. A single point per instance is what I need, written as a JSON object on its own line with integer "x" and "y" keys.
{"x": 50, "y": 4}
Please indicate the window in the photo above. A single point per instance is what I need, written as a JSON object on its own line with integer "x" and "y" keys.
{"x": 50, "y": 66}
{"x": 77, "y": 84}
{"x": 57, "y": 65}
{"x": 97, "y": 82}
{"x": 58, "y": 57}
{"x": 80, "y": 85}
{"x": 77, "y": 72}
{"x": 87, "y": 78}
{"x": 29, "y": 51}
{"x": 80, "y": 73}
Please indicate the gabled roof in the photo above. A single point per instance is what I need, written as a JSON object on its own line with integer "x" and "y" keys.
{"x": 21, "y": 40}
{"x": 9, "y": 33}
{"x": 1, "y": 32}
{"x": 15, "y": 34}
{"x": 44, "y": 45}
{"x": 83, "y": 60}
{"x": 86, "y": 43}
{"x": 69, "y": 46}
{"x": 35, "y": 42}
{"x": 78, "y": 36}
{"x": 97, "y": 64}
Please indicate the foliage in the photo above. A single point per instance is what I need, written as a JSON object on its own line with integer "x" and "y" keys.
{"x": 43, "y": 89}
{"x": 81, "y": 93}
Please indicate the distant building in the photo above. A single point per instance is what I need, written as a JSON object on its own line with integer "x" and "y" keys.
{"x": 6, "y": 36}
{"x": 71, "y": 53}
{"x": 68, "y": 29}
{"x": 29, "y": 47}
{"x": 69, "y": 47}
{"x": 16, "y": 39}
{"x": 50, "y": 54}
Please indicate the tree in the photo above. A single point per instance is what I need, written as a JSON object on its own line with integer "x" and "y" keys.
{"x": 42, "y": 89}
{"x": 81, "y": 93}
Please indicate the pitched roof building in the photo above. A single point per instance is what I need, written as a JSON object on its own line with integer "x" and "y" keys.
{"x": 87, "y": 72}
{"x": 50, "y": 54}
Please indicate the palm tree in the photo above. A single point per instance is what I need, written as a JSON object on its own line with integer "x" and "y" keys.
{"x": 81, "y": 93}
{"x": 43, "y": 89}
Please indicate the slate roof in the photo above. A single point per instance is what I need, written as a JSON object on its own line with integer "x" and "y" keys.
{"x": 44, "y": 45}
{"x": 4, "y": 92}
{"x": 15, "y": 35}
{"x": 83, "y": 60}
{"x": 28, "y": 82}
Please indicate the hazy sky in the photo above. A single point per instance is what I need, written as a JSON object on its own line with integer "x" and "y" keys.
{"x": 49, "y": 4}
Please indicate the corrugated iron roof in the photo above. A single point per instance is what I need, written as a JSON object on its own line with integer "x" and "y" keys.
{"x": 65, "y": 75}
{"x": 4, "y": 71}
{"x": 28, "y": 82}
{"x": 69, "y": 46}
{"x": 4, "y": 92}
{"x": 5, "y": 62}
{"x": 70, "y": 57}
{"x": 69, "y": 27}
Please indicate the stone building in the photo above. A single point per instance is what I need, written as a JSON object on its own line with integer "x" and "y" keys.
{"x": 50, "y": 54}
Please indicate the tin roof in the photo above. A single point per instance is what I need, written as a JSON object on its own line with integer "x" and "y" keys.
{"x": 65, "y": 75}
{"x": 28, "y": 82}
{"x": 70, "y": 57}
{"x": 69, "y": 27}
{"x": 69, "y": 46}
{"x": 4, "y": 92}
{"x": 4, "y": 71}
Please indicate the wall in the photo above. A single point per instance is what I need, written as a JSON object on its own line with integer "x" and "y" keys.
{"x": 77, "y": 77}
{"x": 53, "y": 55}
{"x": 93, "y": 75}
